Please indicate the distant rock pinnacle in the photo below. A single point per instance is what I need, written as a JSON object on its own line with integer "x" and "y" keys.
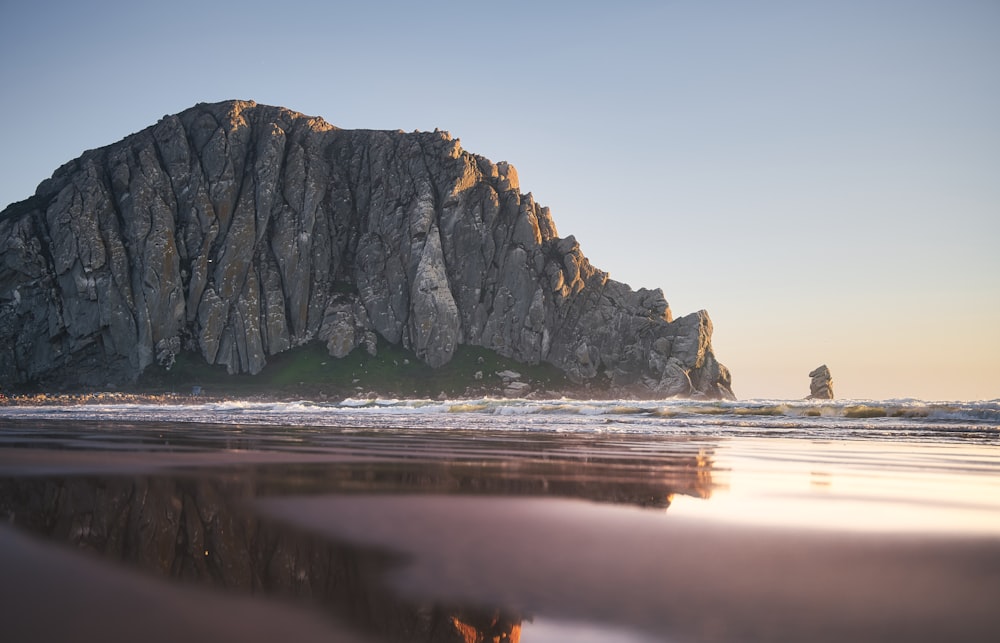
{"x": 821, "y": 384}
{"x": 238, "y": 231}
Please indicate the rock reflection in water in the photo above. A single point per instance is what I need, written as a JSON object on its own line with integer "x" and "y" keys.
{"x": 197, "y": 527}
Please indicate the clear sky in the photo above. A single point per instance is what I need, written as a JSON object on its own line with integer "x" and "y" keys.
{"x": 822, "y": 177}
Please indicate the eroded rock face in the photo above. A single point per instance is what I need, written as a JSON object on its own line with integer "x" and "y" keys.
{"x": 821, "y": 384}
{"x": 238, "y": 231}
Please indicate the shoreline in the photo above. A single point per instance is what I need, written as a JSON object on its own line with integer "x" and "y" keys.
{"x": 81, "y": 398}
{"x": 109, "y": 397}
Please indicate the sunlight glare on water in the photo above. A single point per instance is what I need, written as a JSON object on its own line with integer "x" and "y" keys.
{"x": 854, "y": 486}
{"x": 547, "y": 630}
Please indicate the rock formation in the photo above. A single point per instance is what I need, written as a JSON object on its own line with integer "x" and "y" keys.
{"x": 821, "y": 386}
{"x": 238, "y": 231}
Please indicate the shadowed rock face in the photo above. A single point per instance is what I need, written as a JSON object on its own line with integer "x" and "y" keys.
{"x": 238, "y": 231}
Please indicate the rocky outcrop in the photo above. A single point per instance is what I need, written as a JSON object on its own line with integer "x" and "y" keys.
{"x": 821, "y": 385}
{"x": 238, "y": 231}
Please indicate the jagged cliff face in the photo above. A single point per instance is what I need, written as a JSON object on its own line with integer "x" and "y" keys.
{"x": 238, "y": 231}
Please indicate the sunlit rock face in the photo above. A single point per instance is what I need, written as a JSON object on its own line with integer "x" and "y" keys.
{"x": 238, "y": 231}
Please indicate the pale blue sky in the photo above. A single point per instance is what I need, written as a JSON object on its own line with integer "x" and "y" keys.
{"x": 822, "y": 177}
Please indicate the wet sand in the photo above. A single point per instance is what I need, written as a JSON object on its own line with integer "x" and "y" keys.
{"x": 411, "y": 537}
{"x": 684, "y": 579}
{"x": 52, "y": 593}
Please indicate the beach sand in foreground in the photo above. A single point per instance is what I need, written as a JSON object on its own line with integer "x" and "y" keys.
{"x": 511, "y": 541}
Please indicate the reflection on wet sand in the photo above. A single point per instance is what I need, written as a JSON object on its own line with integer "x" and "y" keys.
{"x": 379, "y": 536}
{"x": 199, "y": 526}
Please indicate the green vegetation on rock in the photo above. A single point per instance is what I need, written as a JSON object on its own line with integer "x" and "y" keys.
{"x": 310, "y": 372}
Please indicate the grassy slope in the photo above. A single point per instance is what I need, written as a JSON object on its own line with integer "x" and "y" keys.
{"x": 310, "y": 372}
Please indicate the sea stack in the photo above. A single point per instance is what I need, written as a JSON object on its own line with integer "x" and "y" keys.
{"x": 821, "y": 386}
{"x": 237, "y": 231}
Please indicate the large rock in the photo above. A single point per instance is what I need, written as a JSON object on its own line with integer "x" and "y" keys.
{"x": 238, "y": 231}
{"x": 821, "y": 384}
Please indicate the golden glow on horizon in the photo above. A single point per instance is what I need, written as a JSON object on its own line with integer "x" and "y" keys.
{"x": 871, "y": 357}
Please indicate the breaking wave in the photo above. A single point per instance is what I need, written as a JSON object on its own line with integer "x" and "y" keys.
{"x": 845, "y": 419}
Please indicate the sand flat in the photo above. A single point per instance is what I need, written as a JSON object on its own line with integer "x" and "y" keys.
{"x": 421, "y": 536}
{"x": 678, "y": 577}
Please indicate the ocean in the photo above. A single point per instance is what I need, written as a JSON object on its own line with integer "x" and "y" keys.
{"x": 840, "y": 419}
{"x": 497, "y": 519}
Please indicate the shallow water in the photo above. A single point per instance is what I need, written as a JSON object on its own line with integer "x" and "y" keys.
{"x": 533, "y": 520}
{"x": 840, "y": 419}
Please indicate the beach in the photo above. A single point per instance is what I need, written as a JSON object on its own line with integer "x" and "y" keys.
{"x": 483, "y": 521}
